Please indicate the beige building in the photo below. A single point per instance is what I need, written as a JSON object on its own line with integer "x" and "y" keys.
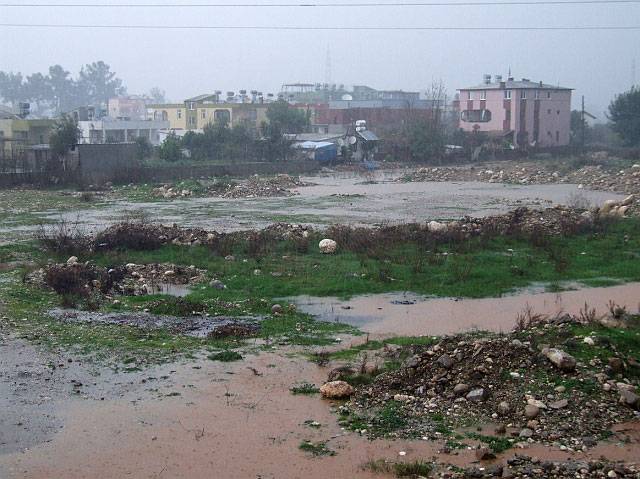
{"x": 17, "y": 134}
{"x": 198, "y": 112}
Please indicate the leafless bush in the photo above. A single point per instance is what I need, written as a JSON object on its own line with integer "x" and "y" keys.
{"x": 528, "y": 319}
{"x": 77, "y": 279}
{"x": 616, "y": 311}
{"x": 587, "y": 315}
{"x": 578, "y": 200}
{"x": 134, "y": 232}
{"x": 64, "y": 237}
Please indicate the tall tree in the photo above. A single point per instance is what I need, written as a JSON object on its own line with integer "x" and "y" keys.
{"x": 624, "y": 114}
{"x": 98, "y": 83}
{"x": 62, "y": 88}
{"x": 12, "y": 87}
{"x": 37, "y": 89}
{"x": 286, "y": 119}
{"x": 157, "y": 95}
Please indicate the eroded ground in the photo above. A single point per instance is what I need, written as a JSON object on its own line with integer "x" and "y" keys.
{"x": 150, "y": 369}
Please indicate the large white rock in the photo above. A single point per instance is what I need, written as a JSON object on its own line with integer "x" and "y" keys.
{"x": 73, "y": 260}
{"x": 328, "y": 246}
{"x": 336, "y": 390}
{"x": 436, "y": 227}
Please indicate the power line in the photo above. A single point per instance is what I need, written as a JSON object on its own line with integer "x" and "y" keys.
{"x": 319, "y": 4}
{"x": 312, "y": 28}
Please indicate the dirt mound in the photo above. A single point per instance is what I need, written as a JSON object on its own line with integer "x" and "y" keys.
{"x": 509, "y": 380}
{"x": 148, "y": 236}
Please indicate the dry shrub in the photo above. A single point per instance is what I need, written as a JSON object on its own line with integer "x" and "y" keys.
{"x": 77, "y": 279}
{"x": 588, "y": 315}
{"x": 260, "y": 243}
{"x": 64, "y": 237}
{"x": 129, "y": 235}
{"x": 237, "y": 330}
{"x": 616, "y": 311}
{"x": 528, "y": 319}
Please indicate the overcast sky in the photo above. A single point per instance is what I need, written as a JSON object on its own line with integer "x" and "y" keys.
{"x": 598, "y": 64}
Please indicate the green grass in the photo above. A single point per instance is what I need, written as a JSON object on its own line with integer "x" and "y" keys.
{"x": 225, "y": 356}
{"x": 316, "y": 448}
{"x": 496, "y": 444}
{"x": 472, "y": 269}
{"x": 412, "y": 469}
{"x": 304, "y": 388}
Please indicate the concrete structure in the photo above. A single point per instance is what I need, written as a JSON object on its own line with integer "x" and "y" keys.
{"x": 109, "y": 130}
{"x": 17, "y": 134}
{"x": 198, "y": 112}
{"x": 524, "y": 112}
{"x": 127, "y": 108}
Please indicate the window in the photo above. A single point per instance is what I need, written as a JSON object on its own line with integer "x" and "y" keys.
{"x": 558, "y": 112}
{"x": 483, "y": 95}
{"x": 557, "y": 136}
{"x": 222, "y": 116}
{"x": 179, "y": 114}
{"x": 476, "y": 116}
{"x": 549, "y": 113}
{"x": 507, "y": 94}
{"x": 204, "y": 114}
{"x": 548, "y": 94}
{"x": 537, "y": 94}
{"x": 523, "y": 95}
{"x": 469, "y": 96}
{"x": 192, "y": 105}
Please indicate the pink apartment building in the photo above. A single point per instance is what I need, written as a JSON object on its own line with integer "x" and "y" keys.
{"x": 524, "y": 112}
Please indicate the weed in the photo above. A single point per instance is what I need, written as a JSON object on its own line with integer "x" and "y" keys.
{"x": 415, "y": 469}
{"x": 225, "y": 356}
{"x": 304, "y": 388}
{"x": 316, "y": 448}
{"x": 496, "y": 444}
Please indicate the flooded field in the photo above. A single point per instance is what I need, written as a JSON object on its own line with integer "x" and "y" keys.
{"x": 335, "y": 198}
{"x": 410, "y": 314}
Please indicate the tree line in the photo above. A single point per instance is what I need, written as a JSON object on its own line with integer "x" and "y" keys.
{"x": 57, "y": 91}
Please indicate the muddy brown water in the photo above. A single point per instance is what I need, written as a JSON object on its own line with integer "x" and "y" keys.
{"x": 413, "y": 315}
{"x": 227, "y": 422}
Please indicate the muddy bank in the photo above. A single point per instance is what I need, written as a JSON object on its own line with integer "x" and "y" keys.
{"x": 231, "y": 420}
{"x": 409, "y": 314}
{"x": 195, "y": 326}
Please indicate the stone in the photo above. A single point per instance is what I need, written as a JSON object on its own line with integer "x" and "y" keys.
{"x": 562, "y": 403}
{"x": 537, "y": 403}
{"x": 72, "y": 260}
{"x": 230, "y": 257}
{"x": 445, "y": 361}
{"x": 532, "y": 424}
{"x": 531, "y": 411}
{"x": 526, "y": 433}
{"x": 217, "y": 284}
{"x": 436, "y": 227}
{"x": 483, "y": 452}
{"x": 560, "y": 389}
{"x": 628, "y": 201}
{"x": 461, "y": 389}
{"x": 276, "y": 309}
{"x": 169, "y": 273}
{"x": 561, "y": 360}
{"x": 336, "y": 390}
{"x": 629, "y": 398}
{"x": 328, "y": 246}
{"x": 477, "y": 395}
{"x": 589, "y": 340}
{"x": 504, "y": 408}
{"x": 616, "y": 364}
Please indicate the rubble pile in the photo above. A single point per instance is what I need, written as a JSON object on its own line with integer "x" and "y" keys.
{"x": 254, "y": 187}
{"x": 86, "y": 278}
{"x": 596, "y": 177}
{"x": 526, "y": 466}
{"x": 530, "y": 391}
{"x": 142, "y": 236}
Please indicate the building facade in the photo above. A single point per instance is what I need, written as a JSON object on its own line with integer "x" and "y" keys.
{"x": 525, "y": 113}
{"x": 198, "y": 112}
{"x": 18, "y": 134}
{"x": 127, "y": 108}
{"x": 111, "y": 130}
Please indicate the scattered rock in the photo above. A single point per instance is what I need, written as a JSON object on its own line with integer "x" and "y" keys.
{"x": 328, "y": 246}
{"x": 336, "y": 390}
{"x": 561, "y": 359}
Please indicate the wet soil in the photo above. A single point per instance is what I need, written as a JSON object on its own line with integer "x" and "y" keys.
{"x": 409, "y": 314}
{"x": 195, "y": 326}
{"x": 205, "y": 419}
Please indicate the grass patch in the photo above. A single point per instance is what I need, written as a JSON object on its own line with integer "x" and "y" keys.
{"x": 304, "y": 388}
{"x": 316, "y": 448}
{"x": 496, "y": 444}
{"x": 414, "y": 469}
{"x": 225, "y": 356}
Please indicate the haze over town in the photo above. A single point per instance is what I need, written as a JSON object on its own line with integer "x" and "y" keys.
{"x": 184, "y": 62}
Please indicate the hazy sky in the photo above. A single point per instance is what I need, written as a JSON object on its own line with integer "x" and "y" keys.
{"x": 597, "y": 64}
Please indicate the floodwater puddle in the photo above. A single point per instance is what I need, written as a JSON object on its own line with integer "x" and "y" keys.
{"x": 410, "y": 314}
{"x": 195, "y": 326}
{"x": 170, "y": 289}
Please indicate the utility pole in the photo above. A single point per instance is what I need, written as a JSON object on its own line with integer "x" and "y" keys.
{"x": 582, "y": 123}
